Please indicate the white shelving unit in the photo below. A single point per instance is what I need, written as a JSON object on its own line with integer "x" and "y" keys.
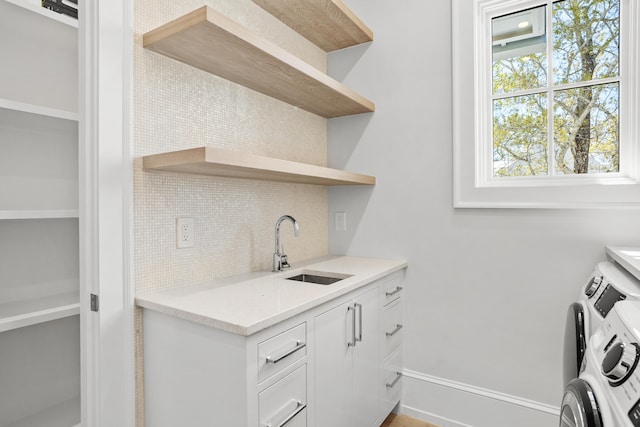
{"x": 39, "y": 235}
{"x": 38, "y": 214}
{"x": 36, "y": 7}
{"x": 9, "y": 104}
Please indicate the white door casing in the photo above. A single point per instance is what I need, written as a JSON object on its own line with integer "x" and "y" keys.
{"x": 105, "y": 52}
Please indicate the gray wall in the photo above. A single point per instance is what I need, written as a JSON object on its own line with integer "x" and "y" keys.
{"x": 487, "y": 290}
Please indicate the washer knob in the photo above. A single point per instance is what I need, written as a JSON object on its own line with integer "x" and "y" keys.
{"x": 619, "y": 361}
{"x": 593, "y": 286}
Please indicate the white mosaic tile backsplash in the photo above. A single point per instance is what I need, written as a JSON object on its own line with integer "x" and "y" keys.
{"x": 177, "y": 107}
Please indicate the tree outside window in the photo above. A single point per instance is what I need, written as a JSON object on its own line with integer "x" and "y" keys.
{"x": 556, "y": 100}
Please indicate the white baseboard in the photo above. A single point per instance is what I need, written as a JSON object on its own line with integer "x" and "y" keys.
{"x": 449, "y": 403}
{"x": 431, "y": 418}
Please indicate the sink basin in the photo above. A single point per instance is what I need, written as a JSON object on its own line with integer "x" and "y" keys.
{"x": 319, "y": 278}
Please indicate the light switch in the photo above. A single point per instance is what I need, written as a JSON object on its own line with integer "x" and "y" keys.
{"x": 341, "y": 221}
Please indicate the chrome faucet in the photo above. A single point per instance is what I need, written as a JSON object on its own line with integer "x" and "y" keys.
{"x": 280, "y": 261}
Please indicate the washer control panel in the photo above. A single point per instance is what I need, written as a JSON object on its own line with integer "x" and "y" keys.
{"x": 616, "y": 350}
{"x": 608, "y": 285}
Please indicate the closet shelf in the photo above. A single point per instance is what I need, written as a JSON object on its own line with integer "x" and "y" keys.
{"x": 329, "y": 24}
{"x": 207, "y": 40}
{"x": 9, "y": 104}
{"x": 18, "y": 314}
{"x": 38, "y": 214}
{"x": 36, "y": 6}
{"x": 66, "y": 413}
{"x": 218, "y": 162}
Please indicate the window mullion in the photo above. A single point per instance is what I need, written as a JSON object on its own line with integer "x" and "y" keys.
{"x": 550, "y": 128}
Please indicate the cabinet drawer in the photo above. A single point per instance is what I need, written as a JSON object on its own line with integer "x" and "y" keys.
{"x": 391, "y": 382}
{"x": 285, "y": 402}
{"x": 391, "y": 289}
{"x": 392, "y": 327}
{"x": 281, "y": 351}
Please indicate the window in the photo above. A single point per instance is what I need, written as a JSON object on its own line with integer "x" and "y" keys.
{"x": 548, "y": 116}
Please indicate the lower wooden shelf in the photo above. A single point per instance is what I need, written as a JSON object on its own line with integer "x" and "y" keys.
{"x": 218, "y": 162}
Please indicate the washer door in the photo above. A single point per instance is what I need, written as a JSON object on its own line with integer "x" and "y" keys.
{"x": 579, "y": 406}
{"x": 575, "y": 343}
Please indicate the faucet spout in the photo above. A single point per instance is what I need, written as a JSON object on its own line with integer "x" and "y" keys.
{"x": 280, "y": 260}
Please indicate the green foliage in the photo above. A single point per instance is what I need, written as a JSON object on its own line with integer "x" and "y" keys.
{"x": 584, "y": 117}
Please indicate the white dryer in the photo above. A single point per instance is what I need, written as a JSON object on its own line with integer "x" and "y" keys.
{"x": 607, "y": 392}
{"x": 609, "y": 283}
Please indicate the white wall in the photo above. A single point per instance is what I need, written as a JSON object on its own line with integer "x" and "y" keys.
{"x": 487, "y": 290}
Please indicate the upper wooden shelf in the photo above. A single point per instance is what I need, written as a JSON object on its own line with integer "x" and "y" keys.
{"x": 329, "y": 24}
{"x": 214, "y": 43}
{"x": 217, "y": 162}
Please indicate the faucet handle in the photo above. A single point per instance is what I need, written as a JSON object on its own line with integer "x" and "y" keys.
{"x": 284, "y": 262}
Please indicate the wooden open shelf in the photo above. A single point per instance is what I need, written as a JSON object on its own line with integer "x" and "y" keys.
{"x": 207, "y": 40}
{"x": 329, "y": 24}
{"x": 217, "y": 162}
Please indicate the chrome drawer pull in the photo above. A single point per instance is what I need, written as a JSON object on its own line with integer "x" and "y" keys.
{"x": 392, "y": 293}
{"x": 299, "y": 346}
{"x": 395, "y": 331}
{"x": 301, "y": 406}
{"x": 395, "y": 381}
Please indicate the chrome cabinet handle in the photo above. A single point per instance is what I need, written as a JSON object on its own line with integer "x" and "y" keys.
{"x": 359, "y": 306}
{"x": 352, "y": 343}
{"x": 395, "y": 331}
{"x": 395, "y": 381}
{"x": 299, "y": 346}
{"x": 299, "y": 408}
{"x": 398, "y": 289}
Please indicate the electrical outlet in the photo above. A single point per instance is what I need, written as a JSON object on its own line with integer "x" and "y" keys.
{"x": 341, "y": 221}
{"x": 184, "y": 232}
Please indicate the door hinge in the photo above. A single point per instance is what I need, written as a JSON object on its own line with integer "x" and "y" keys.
{"x": 95, "y": 302}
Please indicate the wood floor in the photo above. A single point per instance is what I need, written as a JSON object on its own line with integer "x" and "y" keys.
{"x": 394, "y": 420}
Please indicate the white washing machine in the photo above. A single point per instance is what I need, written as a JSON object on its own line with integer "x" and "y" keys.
{"x": 609, "y": 283}
{"x": 607, "y": 392}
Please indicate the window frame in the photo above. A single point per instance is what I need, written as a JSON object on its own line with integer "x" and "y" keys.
{"x": 474, "y": 183}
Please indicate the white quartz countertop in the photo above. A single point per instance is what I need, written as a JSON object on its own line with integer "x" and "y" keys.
{"x": 248, "y": 303}
{"x": 627, "y": 257}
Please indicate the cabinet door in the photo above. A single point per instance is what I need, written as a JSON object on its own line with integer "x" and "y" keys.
{"x": 366, "y": 360}
{"x": 333, "y": 358}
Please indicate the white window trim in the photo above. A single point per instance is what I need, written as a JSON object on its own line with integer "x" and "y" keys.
{"x": 472, "y": 84}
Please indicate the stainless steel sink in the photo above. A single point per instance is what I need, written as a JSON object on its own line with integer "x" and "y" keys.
{"x": 319, "y": 278}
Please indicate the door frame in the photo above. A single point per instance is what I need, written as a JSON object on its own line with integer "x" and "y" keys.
{"x": 106, "y": 189}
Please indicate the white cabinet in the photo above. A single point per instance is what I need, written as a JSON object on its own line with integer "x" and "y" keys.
{"x": 195, "y": 375}
{"x": 347, "y": 362}
{"x": 392, "y": 324}
{"x": 327, "y": 366}
{"x": 39, "y": 256}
